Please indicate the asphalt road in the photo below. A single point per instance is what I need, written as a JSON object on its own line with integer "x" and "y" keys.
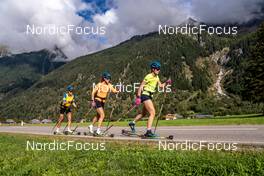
{"x": 242, "y": 134}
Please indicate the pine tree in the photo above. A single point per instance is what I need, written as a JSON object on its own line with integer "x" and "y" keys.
{"x": 254, "y": 73}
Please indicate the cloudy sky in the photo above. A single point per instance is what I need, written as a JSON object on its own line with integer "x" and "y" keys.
{"x": 121, "y": 20}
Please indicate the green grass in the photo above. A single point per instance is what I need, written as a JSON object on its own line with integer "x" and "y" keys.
{"x": 122, "y": 159}
{"x": 252, "y": 119}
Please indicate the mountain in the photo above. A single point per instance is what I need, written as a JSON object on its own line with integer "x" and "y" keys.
{"x": 4, "y": 51}
{"x": 243, "y": 28}
{"x": 18, "y": 72}
{"x": 202, "y": 77}
{"x": 191, "y": 22}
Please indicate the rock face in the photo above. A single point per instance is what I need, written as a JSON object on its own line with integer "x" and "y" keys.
{"x": 216, "y": 62}
{"x": 217, "y": 84}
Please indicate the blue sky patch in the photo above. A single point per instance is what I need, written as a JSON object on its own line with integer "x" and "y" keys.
{"x": 98, "y": 7}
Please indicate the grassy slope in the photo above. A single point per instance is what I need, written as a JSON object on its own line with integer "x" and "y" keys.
{"x": 123, "y": 159}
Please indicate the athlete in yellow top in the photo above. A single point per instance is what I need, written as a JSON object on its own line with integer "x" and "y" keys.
{"x": 66, "y": 107}
{"x": 145, "y": 94}
{"x": 99, "y": 95}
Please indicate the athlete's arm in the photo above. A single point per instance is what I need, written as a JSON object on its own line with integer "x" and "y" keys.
{"x": 114, "y": 90}
{"x": 64, "y": 101}
{"x": 95, "y": 89}
{"x": 140, "y": 88}
{"x": 161, "y": 85}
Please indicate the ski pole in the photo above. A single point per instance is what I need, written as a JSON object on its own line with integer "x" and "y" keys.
{"x": 158, "y": 118}
{"x": 55, "y": 125}
{"x": 161, "y": 108}
{"x": 130, "y": 109}
{"x": 109, "y": 119}
{"x": 107, "y": 128}
{"x": 88, "y": 112}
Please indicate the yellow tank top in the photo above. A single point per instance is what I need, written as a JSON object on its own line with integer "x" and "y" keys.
{"x": 67, "y": 99}
{"x": 102, "y": 89}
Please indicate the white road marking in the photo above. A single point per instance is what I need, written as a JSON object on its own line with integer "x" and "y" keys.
{"x": 210, "y": 129}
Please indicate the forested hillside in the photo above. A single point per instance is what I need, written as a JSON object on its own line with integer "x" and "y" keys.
{"x": 194, "y": 63}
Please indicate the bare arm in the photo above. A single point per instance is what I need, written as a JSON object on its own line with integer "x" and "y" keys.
{"x": 114, "y": 90}
{"x": 161, "y": 85}
{"x": 140, "y": 88}
{"x": 95, "y": 89}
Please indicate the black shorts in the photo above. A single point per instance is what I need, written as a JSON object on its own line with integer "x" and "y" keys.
{"x": 99, "y": 104}
{"x": 145, "y": 97}
{"x": 64, "y": 109}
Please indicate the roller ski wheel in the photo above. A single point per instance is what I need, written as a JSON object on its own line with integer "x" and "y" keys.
{"x": 57, "y": 133}
{"x": 66, "y": 133}
{"x": 170, "y": 137}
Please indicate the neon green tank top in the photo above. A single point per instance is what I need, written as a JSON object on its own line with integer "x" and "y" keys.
{"x": 151, "y": 83}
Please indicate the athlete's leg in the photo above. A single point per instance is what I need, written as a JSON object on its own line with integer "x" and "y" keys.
{"x": 95, "y": 119}
{"x": 61, "y": 117}
{"x": 151, "y": 110}
{"x": 138, "y": 117}
{"x": 101, "y": 113}
{"x": 69, "y": 115}
{"x": 142, "y": 114}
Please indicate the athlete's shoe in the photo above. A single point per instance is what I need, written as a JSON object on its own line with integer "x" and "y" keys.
{"x": 98, "y": 132}
{"x": 132, "y": 126}
{"x": 69, "y": 131}
{"x": 91, "y": 129}
{"x": 149, "y": 134}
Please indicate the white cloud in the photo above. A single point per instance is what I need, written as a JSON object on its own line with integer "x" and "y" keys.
{"x": 226, "y": 11}
{"x": 142, "y": 17}
{"x": 108, "y": 18}
{"x": 16, "y": 15}
{"x": 129, "y": 18}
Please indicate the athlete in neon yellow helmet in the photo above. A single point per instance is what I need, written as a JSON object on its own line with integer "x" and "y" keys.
{"x": 66, "y": 107}
{"x": 144, "y": 95}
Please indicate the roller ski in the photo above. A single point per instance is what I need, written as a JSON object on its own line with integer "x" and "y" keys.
{"x": 94, "y": 134}
{"x": 90, "y": 131}
{"x": 67, "y": 132}
{"x": 130, "y": 133}
{"x": 72, "y": 132}
{"x": 150, "y": 135}
{"x": 98, "y": 133}
{"x": 58, "y": 133}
